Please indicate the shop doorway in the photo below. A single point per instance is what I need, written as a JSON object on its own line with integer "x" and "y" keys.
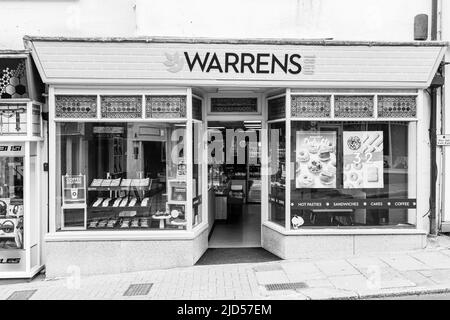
{"x": 234, "y": 171}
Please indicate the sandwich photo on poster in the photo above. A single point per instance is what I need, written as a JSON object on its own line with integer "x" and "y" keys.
{"x": 363, "y": 159}
{"x": 315, "y": 166}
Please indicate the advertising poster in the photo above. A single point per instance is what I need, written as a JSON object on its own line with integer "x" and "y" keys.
{"x": 315, "y": 166}
{"x": 363, "y": 159}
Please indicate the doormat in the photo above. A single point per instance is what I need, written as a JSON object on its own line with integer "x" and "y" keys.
{"x": 235, "y": 255}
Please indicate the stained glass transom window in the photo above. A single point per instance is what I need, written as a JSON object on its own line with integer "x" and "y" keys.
{"x": 13, "y": 80}
{"x": 397, "y": 106}
{"x": 13, "y": 119}
{"x": 310, "y": 106}
{"x": 121, "y": 107}
{"x": 353, "y": 106}
{"x": 76, "y": 107}
{"x": 165, "y": 107}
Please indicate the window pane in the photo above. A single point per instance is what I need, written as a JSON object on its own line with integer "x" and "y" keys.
{"x": 351, "y": 174}
{"x": 121, "y": 176}
{"x": 277, "y": 172}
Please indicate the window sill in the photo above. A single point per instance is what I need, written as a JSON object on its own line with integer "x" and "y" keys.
{"x": 345, "y": 231}
{"x": 125, "y": 235}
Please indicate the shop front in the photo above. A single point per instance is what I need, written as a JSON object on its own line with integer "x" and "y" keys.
{"x": 22, "y": 223}
{"x": 145, "y": 136}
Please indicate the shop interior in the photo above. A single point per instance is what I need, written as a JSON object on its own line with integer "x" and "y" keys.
{"x": 235, "y": 178}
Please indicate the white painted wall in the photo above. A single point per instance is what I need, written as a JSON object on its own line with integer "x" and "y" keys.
{"x": 338, "y": 19}
{"x": 64, "y": 18}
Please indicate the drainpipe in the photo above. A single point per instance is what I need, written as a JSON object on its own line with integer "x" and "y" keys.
{"x": 433, "y": 129}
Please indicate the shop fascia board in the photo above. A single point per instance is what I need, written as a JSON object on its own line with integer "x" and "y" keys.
{"x": 343, "y": 231}
{"x": 319, "y": 82}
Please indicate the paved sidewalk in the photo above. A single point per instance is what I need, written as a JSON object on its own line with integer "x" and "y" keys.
{"x": 423, "y": 271}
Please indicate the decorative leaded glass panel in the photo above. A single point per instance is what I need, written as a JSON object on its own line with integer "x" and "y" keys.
{"x": 310, "y": 106}
{"x": 397, "y": 106}
{"x": 121, "y": 107}
{"x": 165, "y": 106}
{"x": 353, "y": 106}
{"x": 13, "y": 119}
{"x": 76, "y": 106}
{"x": 196, "y": 108}
{"x": 277, "y": 108}
{"x": 234, "y": 105}
{"x": 36, "y": 119}
{"x": 13, "y": 80}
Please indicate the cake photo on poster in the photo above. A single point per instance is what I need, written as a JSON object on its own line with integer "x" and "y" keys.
{"x": 363, "y": 159}
{"x": 315, "y": 166}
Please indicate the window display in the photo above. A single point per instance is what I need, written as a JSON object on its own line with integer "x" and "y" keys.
{"x": 11, "y": 195}
{"x": 122, "y": 176}
{"x": 350, "y": 174}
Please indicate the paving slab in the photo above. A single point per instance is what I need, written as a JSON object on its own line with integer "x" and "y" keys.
{"x": 435, "y": 260}
{"x": 268, "y": 277}
{"x": 354, "y": 283}
{"x": 405, "y": 263}
{"x": 301, "y": 271}
{"x": 336, "y": 268}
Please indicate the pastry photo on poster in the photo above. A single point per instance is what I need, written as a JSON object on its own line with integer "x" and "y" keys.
{"x": 315, "y": 166}
{"x": 363, "y": 159}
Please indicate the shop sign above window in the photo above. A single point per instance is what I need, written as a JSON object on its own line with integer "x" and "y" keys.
{"x": 277, "y": 108}
{"x": 165, "y": 107}
{"x": 234, "y": 105}
{"x": 353, "y": 106}
{"x": 13, "y": 80}
{"x": 396, "y": 106}
{"x": 121, "y": 107}
{"x": 76, "y": 107}
{"x": 13, "y": 119}
{"x": 311, "y": 106}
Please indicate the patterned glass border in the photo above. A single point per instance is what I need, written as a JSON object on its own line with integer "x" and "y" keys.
{"x": 165, "y": 106}
{"x": 277, "y": 108}
{"x": 310, "y": 106}
{"x": 13, "y": 119}
{"x": 76, "y": 107}
{"x": 121, "y": 107}
{"x": 196, "y": 108}
{"x": 397, "y": 106}
{"x": 234, "y": 105}
{"x": 354, "y": 106}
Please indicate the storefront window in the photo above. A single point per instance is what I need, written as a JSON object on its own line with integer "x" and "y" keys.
{"x": 121, "y": 176}
{"x": 11, "y": 196}
{"x": 277, "y": 172}
{"x": 197, "y": 129}
{"x": 353, "y": 173}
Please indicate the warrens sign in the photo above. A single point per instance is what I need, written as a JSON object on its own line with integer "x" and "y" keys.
{"x": 223, "y": 63}
{"x": 231, "y": 62}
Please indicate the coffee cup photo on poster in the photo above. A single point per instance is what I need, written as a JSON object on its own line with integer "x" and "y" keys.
{"x": 363, "y": 159}
{"x": 315, "y": 165}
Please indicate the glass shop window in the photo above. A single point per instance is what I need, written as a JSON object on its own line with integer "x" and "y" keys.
{"x": 121, "y": 176}
{"x": 277, "y": 172}
{"x": 353, "y": 174}
{"x": 11, "y": 197}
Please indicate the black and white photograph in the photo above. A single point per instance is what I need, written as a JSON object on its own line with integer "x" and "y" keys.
{"x": 224, "y": 159}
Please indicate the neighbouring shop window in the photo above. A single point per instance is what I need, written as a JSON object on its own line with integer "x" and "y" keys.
{"x": 121, "y": 176}
{"x": 277, "y": 172}
{"x": 11, "y": 196}
{"x": 350, "y": 174}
